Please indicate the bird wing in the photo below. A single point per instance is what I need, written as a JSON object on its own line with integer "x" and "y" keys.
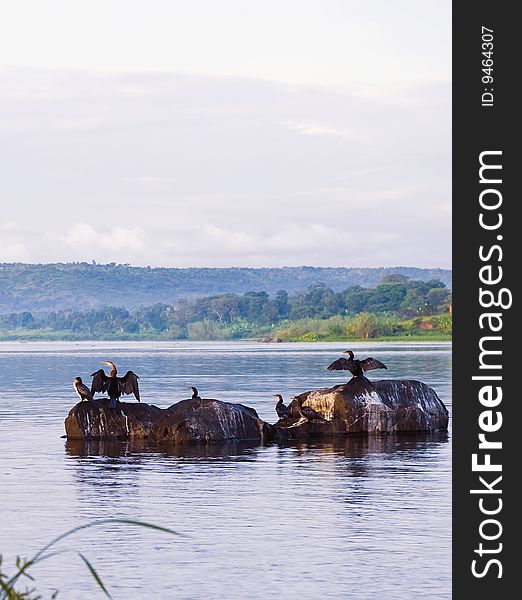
{"x": 129, "y": 384}
{"x": 371, "y": 363}
{"x": 311, "y": 413}
{"x": 83, "y": 389}
{"x": 100, "y": 382}
{"x": 341, "y": 364}
{"x": 281, "y": 410}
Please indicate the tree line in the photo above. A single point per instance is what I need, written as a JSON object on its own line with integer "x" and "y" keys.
{"x": 81, "y": 286}
{"x": 228, "y": 316}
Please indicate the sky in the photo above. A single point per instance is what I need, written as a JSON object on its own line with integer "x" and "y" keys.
{"x": 230, "y": 133}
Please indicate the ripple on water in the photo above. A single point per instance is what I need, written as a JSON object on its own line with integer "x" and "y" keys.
{"x": 361, "y": 518}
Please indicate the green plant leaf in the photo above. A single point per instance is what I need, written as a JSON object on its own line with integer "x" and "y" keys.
{"x": 94, "y": 573}
{"x": 41, "y": 554}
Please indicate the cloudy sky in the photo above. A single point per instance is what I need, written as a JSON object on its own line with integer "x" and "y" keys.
{"x": 230, "y": 133}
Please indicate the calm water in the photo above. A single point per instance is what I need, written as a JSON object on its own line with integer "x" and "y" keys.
{"x": 363, "y": 518}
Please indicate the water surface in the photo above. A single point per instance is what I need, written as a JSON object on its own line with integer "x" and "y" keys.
{"x": 364, "y": 517}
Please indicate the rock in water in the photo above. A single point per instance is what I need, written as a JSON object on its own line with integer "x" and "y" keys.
{"x": 360, "y": 406}
{"x": 207, "y": 421}
{"x": 93, "y": 420}
{"x": 363, "y": 406}
{"x": 212, "y": 421}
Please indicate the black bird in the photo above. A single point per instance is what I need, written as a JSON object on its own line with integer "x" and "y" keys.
{"x": 310, "y": 414}
{"x": 281, "y": 408}
{"x": 356, "y": 367}
{"x": 81, "y": 389}
{"x": 113, "y": 385}
{"x": 196, "y": 396}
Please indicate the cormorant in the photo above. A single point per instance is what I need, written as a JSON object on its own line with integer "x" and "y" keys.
{"x": 310, "y": 414}
{"x": 113, "y": 385}
{"x": 356, "y": 367}
{"x": 81, "y": 389}
{"x": 281, "y": 409}
{"x": 196, "y": 396}
{"x": 195, "y": 393}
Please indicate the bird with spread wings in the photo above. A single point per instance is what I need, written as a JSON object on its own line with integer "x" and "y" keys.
{"x": 356, "y": 367}
{"x": 115, "y": 386}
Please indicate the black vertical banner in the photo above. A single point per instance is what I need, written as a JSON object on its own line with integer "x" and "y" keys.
{"x": 486, "y": 250}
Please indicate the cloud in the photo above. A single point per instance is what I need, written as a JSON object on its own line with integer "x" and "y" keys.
{"x": 222, "y": 171}
{"x": 286, "y": 244}
{"x": 293, "y": 42}
{"x": 13, "y": 247}
{"x": 322, "y": 130}
{"x": 117, "y": 239}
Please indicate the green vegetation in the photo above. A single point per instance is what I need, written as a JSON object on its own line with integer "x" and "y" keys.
{"x": 366, "y": 326}
{"x": 82, "y": 286}
{"x": 7, "y": 584}
{"x": 396, "y": 308}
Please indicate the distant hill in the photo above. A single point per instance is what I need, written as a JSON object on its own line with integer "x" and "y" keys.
{"x": 45, "y": 287}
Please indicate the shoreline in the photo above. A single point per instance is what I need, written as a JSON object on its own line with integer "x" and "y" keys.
{"x": 384, "y": 339}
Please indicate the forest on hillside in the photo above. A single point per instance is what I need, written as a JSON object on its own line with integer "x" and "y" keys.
{"x": 396, "y": 306}
{"x": 80, "y": 286}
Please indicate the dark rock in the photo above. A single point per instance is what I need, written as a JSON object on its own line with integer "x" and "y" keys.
{"x": 211, "y": 421}
{"x": 207, "y": 421}
{"x": 362, "y": 406}
{"x": 93, "y": 420}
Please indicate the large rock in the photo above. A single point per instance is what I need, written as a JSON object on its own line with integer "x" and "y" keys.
{"x": 93, "y": 420}
{"x": 212, "y": 421}
{"x": 362, "y": 406}
{"x": 207, "y": 421}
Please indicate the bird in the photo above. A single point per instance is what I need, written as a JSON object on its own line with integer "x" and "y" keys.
{"x": 356, "y": 367}
{"x": 81, "y": 389}
{"x": 196, "y": 396}
{"x": 115, "y": 386}
{"x": 310, "y": 414}
{"x": 281, "y": 408}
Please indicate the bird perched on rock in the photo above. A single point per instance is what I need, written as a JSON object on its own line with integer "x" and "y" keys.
{"x": 356, "y": 367}
{"x": 81, "y": 389}
{"x": 196, "y": 396}
{"x": 310, "y": 414}
{"x": 115, "y": 386}
{"x": 281, "y": 408}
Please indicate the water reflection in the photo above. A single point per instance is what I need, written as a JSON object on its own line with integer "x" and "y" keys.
{"x": 118, "y": 449}
{"x": 358, "y": 446}
{"x": 350, "y": 446}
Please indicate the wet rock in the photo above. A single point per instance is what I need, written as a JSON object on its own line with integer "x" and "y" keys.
{"x": 363, "y": 406}
{"x": 206, "y": 421}
{"x": 93, "y": 420}
{"x": 212, "y": 421}
{"x": 360, "y": 406}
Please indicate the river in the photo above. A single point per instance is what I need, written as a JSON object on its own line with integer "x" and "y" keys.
{"x": 361, "y": 518}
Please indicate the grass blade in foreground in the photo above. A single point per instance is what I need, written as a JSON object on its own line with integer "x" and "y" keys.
{"x": 7, "y": 591}
{"x": 94, "y": 573}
